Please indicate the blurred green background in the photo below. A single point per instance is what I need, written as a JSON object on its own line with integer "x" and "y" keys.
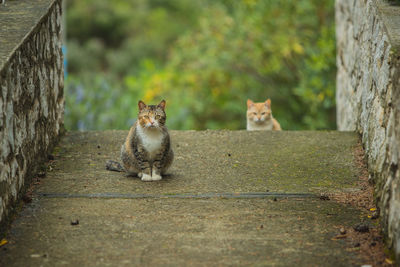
{"x": 204, "y": 57}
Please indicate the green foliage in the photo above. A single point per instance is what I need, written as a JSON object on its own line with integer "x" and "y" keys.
{"x": 205, "y": 58}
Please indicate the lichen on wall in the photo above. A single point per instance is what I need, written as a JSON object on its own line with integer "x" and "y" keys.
{"x": 31, "y": 95}
{"x": 368, "y": 97}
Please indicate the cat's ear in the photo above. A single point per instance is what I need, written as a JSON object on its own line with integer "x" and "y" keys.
{"x": 268, "y": 103}
{"x": 162, "y": 104}
{"x": 141, "y": 105}
{"x": 249, "y": 103}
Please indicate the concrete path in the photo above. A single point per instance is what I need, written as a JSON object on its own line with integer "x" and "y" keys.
{"x": 232, "y": 198}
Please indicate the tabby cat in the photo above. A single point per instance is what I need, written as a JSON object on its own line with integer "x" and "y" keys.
{"x": 147, "y": 151}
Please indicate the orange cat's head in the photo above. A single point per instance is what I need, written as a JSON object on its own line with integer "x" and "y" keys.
{"x": 259, "y": 112}
{"x": 152, "y": 116}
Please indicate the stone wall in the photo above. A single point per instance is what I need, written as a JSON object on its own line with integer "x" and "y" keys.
{"x": 31, "y": 92}
{"x": 368, "y": 96}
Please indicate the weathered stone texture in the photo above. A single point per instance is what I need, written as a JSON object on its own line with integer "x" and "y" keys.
{"x": 31, "y": 97}
{"x": 368, "y": 97}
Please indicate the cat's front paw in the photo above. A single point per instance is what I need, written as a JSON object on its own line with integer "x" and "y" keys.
{"x": 156, "y": 177}
{"x": 146, "y": 177}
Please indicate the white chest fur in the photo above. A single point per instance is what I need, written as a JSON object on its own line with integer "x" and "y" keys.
{"x": 151, "y": 139}
{"x": 264, "y": 126}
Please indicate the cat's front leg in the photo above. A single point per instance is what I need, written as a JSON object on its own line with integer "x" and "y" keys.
{"x": 157, "y": 167}
{"x": 146, "y": 172}
{"x": 146, "y": 178}
{"x": 156, "y": 174}
{"x": 142, "y": 164}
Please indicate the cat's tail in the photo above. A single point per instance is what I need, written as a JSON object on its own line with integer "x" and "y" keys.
{"x": 114, "y": 166}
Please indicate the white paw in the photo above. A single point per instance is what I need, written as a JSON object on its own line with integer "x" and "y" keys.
{"x": 140, "y": 175}
{"x": 156, "y": 177}
{"x": 146, "y": 177}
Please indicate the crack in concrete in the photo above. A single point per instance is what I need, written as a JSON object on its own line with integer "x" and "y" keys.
{"x": 186, "y": 196}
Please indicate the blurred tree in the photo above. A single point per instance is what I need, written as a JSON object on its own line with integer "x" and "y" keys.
{"x": 205, "y": 58}
{"x": 125, "y": 32}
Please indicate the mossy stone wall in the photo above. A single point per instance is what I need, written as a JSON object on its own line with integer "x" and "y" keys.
{"x": 368, "y": 96}
{"x": 31, "y": 92}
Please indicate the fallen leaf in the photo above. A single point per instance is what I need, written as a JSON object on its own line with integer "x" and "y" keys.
{"x": 389, "y": 261}
{"x": 372, "y": 209}
{"x": 352, "y": 249}
{"x": 3, "y": 242}
{"x": 339, "y": 237}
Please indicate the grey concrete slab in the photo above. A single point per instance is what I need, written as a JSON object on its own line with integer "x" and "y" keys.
{"x": 232, "y": 198}
{"x": 212, "y": 161}
{"x": 180, "y": 232}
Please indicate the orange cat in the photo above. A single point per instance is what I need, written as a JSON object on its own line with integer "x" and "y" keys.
{"x": 259, "y": 117}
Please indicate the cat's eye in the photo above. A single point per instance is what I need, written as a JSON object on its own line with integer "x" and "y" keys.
{"x": 254, "y": 113}
{"x": 146, "y": 117}
{"x": 263, "y": 113}
{"x": 158, "y": 117}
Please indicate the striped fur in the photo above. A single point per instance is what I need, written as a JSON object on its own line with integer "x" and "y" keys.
{"x": 147, "y": 151}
